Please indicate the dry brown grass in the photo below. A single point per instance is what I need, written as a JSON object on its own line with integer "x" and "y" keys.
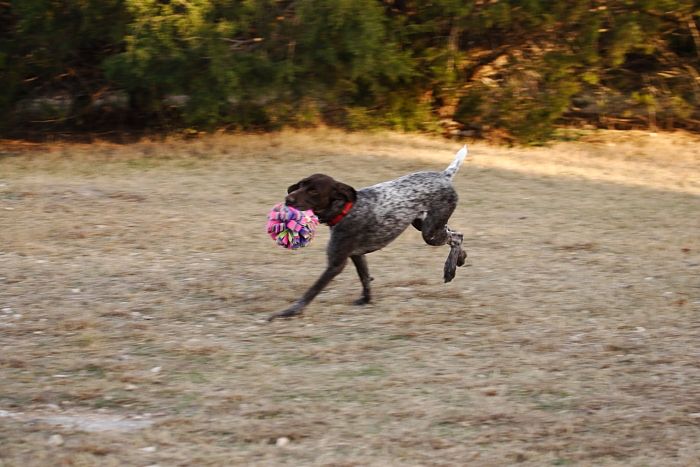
{"x": 133, "y": 280}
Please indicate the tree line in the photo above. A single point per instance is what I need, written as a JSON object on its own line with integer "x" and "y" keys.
{"x": 505, "y": 68}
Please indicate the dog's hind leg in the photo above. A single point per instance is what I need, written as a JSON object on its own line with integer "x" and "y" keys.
{"x": 456, "y": 257}
{"x": 436, "y": 232}
{"x": 418, "y": 221}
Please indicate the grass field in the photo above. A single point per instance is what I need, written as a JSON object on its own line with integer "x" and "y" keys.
{"x": 135, "y": 279}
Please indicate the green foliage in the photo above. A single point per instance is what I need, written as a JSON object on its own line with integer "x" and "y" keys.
{"x": 184, "y": 48}
{"x": 514, "y": 67}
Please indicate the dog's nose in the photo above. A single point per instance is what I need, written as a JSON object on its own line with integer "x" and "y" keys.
{"x": 290, "y": 200}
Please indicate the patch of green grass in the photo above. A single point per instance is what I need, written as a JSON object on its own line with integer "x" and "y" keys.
{"x": 94, "y": 371}
{"x": 554, "y": 402}
{"x": 113, "y": 400}
{"x": 370, "y": 370}
{"x": 562, "y": 461}
{"x": 187, "y": 163}
{"x": 15, "y": 400}
{"x": 186, "y": 401}
{"x": 296, "y": 360}
{"x": 398, "y": 337}
{"x": 452, "y": 429}
{"x": 269, "y": 414}
{"x": 569, "y": 134}
{"x": 143, "y": 350}
{"x": 143, "y": 164}
{"x": 196, "y": 377}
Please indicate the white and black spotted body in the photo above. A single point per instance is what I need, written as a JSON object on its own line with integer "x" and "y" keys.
{"x": 377, "y": 215}
{"x": 393, "y": 205}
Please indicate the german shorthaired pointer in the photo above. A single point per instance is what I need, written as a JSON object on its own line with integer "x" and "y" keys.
{"x": 369, "y": 219}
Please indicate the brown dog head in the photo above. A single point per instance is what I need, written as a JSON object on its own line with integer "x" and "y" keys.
{"x": 322, "y": 194}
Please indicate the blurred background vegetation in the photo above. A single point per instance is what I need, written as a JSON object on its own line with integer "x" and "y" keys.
{"x": 511, "y": 70}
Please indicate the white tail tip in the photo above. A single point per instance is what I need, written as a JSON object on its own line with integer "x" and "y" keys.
{"x": 457, "y": 162}
{"x": 462, "y": 153}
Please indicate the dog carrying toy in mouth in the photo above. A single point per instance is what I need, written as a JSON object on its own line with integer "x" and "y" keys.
{"x": 366, "y": 220}
{"x": 291, "y": 228}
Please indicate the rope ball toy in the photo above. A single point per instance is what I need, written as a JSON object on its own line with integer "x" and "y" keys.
{"x": 290, "y": 227}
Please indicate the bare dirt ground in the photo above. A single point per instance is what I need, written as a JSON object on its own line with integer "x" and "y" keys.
{"x": 134, "y": 280}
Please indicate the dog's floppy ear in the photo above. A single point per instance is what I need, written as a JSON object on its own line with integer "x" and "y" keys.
{"x": 294, "y": 187}
{"x": 345, "y": 192}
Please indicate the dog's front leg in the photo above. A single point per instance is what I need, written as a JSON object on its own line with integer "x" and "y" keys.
{"x": 362, "y": 271}
{"x": 335, "y": 266}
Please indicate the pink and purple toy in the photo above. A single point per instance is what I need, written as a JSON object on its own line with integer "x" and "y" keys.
{"x": 290, "y": 227}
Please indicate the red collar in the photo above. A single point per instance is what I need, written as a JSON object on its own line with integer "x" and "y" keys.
{"x": 339, "y": 217}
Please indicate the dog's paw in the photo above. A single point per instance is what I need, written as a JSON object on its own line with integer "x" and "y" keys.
{"x": 456, "y": 256}
{"x": 462, "y": 258}
{"x": 449, "y": 273}
{"x": 361, "y": 301}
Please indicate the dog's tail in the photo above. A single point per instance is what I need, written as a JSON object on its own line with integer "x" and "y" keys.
{"x": 457, "y": 162}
